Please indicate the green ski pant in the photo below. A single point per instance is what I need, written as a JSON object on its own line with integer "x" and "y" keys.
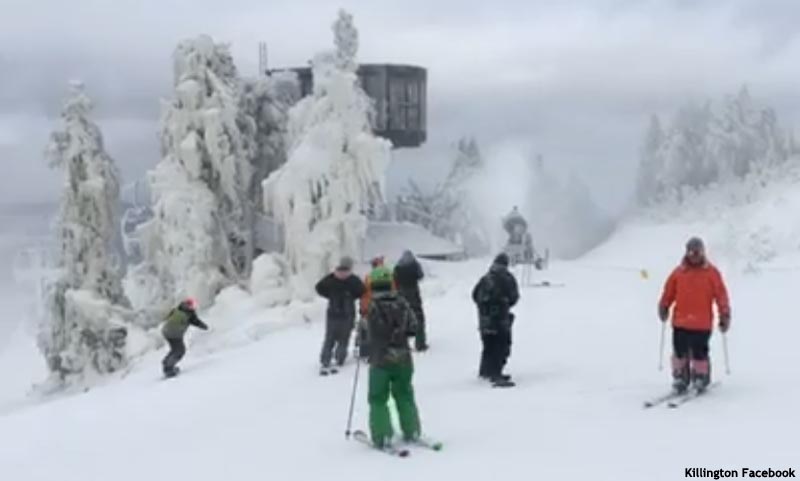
{"x": 394, "y": 379}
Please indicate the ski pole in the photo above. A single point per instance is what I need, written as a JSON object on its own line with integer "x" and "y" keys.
{"x": 352, "y": 398}
{"x": 661, "y": 347}
{"x": 725, "y": 350}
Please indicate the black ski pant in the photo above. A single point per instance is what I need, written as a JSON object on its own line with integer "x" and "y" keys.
{"x": 694, "y": 344}
{"x": 177, "y": 349}
{"x": 495, "y": 353}
{"x": 337, "y": 339}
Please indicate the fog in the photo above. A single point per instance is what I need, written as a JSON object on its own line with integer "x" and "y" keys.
{"x": 574, "y": 81}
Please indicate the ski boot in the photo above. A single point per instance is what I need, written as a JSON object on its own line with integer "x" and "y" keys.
{"x": 502, "y": 381}
{"x": 680, "y": 374}
{"x": 701, "y": 374}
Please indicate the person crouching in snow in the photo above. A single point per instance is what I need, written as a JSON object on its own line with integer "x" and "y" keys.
{"x": 342, "y": 289}
{"x": 390, "y": 322}
{"x": 693, "y": 288}
{"x": 177, "y": 323}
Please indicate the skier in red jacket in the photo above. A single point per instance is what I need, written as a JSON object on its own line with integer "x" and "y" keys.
{"x": 691, "y": 290}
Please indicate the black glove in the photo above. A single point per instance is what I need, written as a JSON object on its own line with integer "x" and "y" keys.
{"x": 663, "y": 313}
{"x": 724, "y": 321}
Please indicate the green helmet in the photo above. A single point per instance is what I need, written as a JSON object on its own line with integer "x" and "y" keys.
{"x": 381, "y": 277}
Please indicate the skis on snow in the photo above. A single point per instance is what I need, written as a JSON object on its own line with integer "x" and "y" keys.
{"x": 425, "y": 442}
{"x": 661, "y": 399}
{"x": 690, "y": 396}
{"x": 363, "y": 438}
{"x": 674, "y": 399}
{"x": 399, "y": 451}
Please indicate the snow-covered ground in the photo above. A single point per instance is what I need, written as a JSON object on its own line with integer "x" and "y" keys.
{"x": 250, "y": 405}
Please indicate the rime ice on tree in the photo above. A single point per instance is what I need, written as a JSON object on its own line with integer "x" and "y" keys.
{"x": 82, "y": 332}
{"x": 335, "y": 168}
{"x": 449, "y": 210}
{"x": 704, "y": 145}
{"x": 266, "y": 100}
{"x": 201, "y": 236}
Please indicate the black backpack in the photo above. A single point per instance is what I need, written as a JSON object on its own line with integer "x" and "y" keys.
{"x": 490, "y": 293}
{"x": 393, "y": 314}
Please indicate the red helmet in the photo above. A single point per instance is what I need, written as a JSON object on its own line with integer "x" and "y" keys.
{"x": 191, "y": 303}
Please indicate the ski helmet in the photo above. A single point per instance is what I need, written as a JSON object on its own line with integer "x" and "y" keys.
{"x": 381, "y": 278}
{"x": 191, "y": 303}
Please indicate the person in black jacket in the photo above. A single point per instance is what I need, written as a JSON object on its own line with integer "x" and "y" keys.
{"x": 407, "y": 275}
{"x": 495, "y": 294}
{"x": 342, "y": 289}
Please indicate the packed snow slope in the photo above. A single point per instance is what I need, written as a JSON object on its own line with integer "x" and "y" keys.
{"x": 251, "y": 406}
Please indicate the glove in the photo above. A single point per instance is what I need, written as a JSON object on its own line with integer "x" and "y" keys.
{"x": 724, "y": 321}
{"x": 663, "y": 313}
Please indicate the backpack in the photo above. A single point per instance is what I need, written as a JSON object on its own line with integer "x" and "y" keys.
{"x": 393, "y": 315}
{"x": 490, "y": 293}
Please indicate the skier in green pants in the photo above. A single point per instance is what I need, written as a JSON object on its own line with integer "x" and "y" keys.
{"x": 390, "y": 322}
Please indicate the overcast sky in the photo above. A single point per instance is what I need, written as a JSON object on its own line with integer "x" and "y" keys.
{"x": 574, "y": 80}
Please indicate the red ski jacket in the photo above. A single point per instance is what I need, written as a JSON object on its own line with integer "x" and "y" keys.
{"x": 693, "y": 291}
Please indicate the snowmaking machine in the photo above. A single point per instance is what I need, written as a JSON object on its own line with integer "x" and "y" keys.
{"x": 520, "y": 248}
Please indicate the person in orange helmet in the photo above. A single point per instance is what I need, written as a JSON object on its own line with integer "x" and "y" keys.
{"x": 691, "y": 291}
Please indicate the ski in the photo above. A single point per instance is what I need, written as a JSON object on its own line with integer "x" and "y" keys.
{"x": 690, "y": 396}
{"x": 547, "y": 284}
{"x": 425, "y": 442}
{"x": 363, "y": 438}
{"x": 661, "y": 399}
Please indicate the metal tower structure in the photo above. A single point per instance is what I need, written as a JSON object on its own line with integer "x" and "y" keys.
{"x": 262, "y": 59}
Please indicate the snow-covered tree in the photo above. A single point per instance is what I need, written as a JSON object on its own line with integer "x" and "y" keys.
{"x": 704, "y": 145}
{"x": 450, "y": 210}
{"x": 335, "y": 169}
{"x": 200, "y": 238}
{"x": 267, "y": 101}
{"x": 83, "y": 333}
{"x": 649, "y": 167}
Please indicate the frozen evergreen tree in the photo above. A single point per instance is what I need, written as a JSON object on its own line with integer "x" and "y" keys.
{"x": 335, "y": 169}
{"x": 345, "y": 38}
{"x": 648, "y": 182}
{"x": 82, "y": 333}
{"x": 704, "y": 145}
{"x": 267, "y": 100}
{"x": 746, "y": 139}
{"x": 201, "y": 236}
{"x": 449, "y": 210}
